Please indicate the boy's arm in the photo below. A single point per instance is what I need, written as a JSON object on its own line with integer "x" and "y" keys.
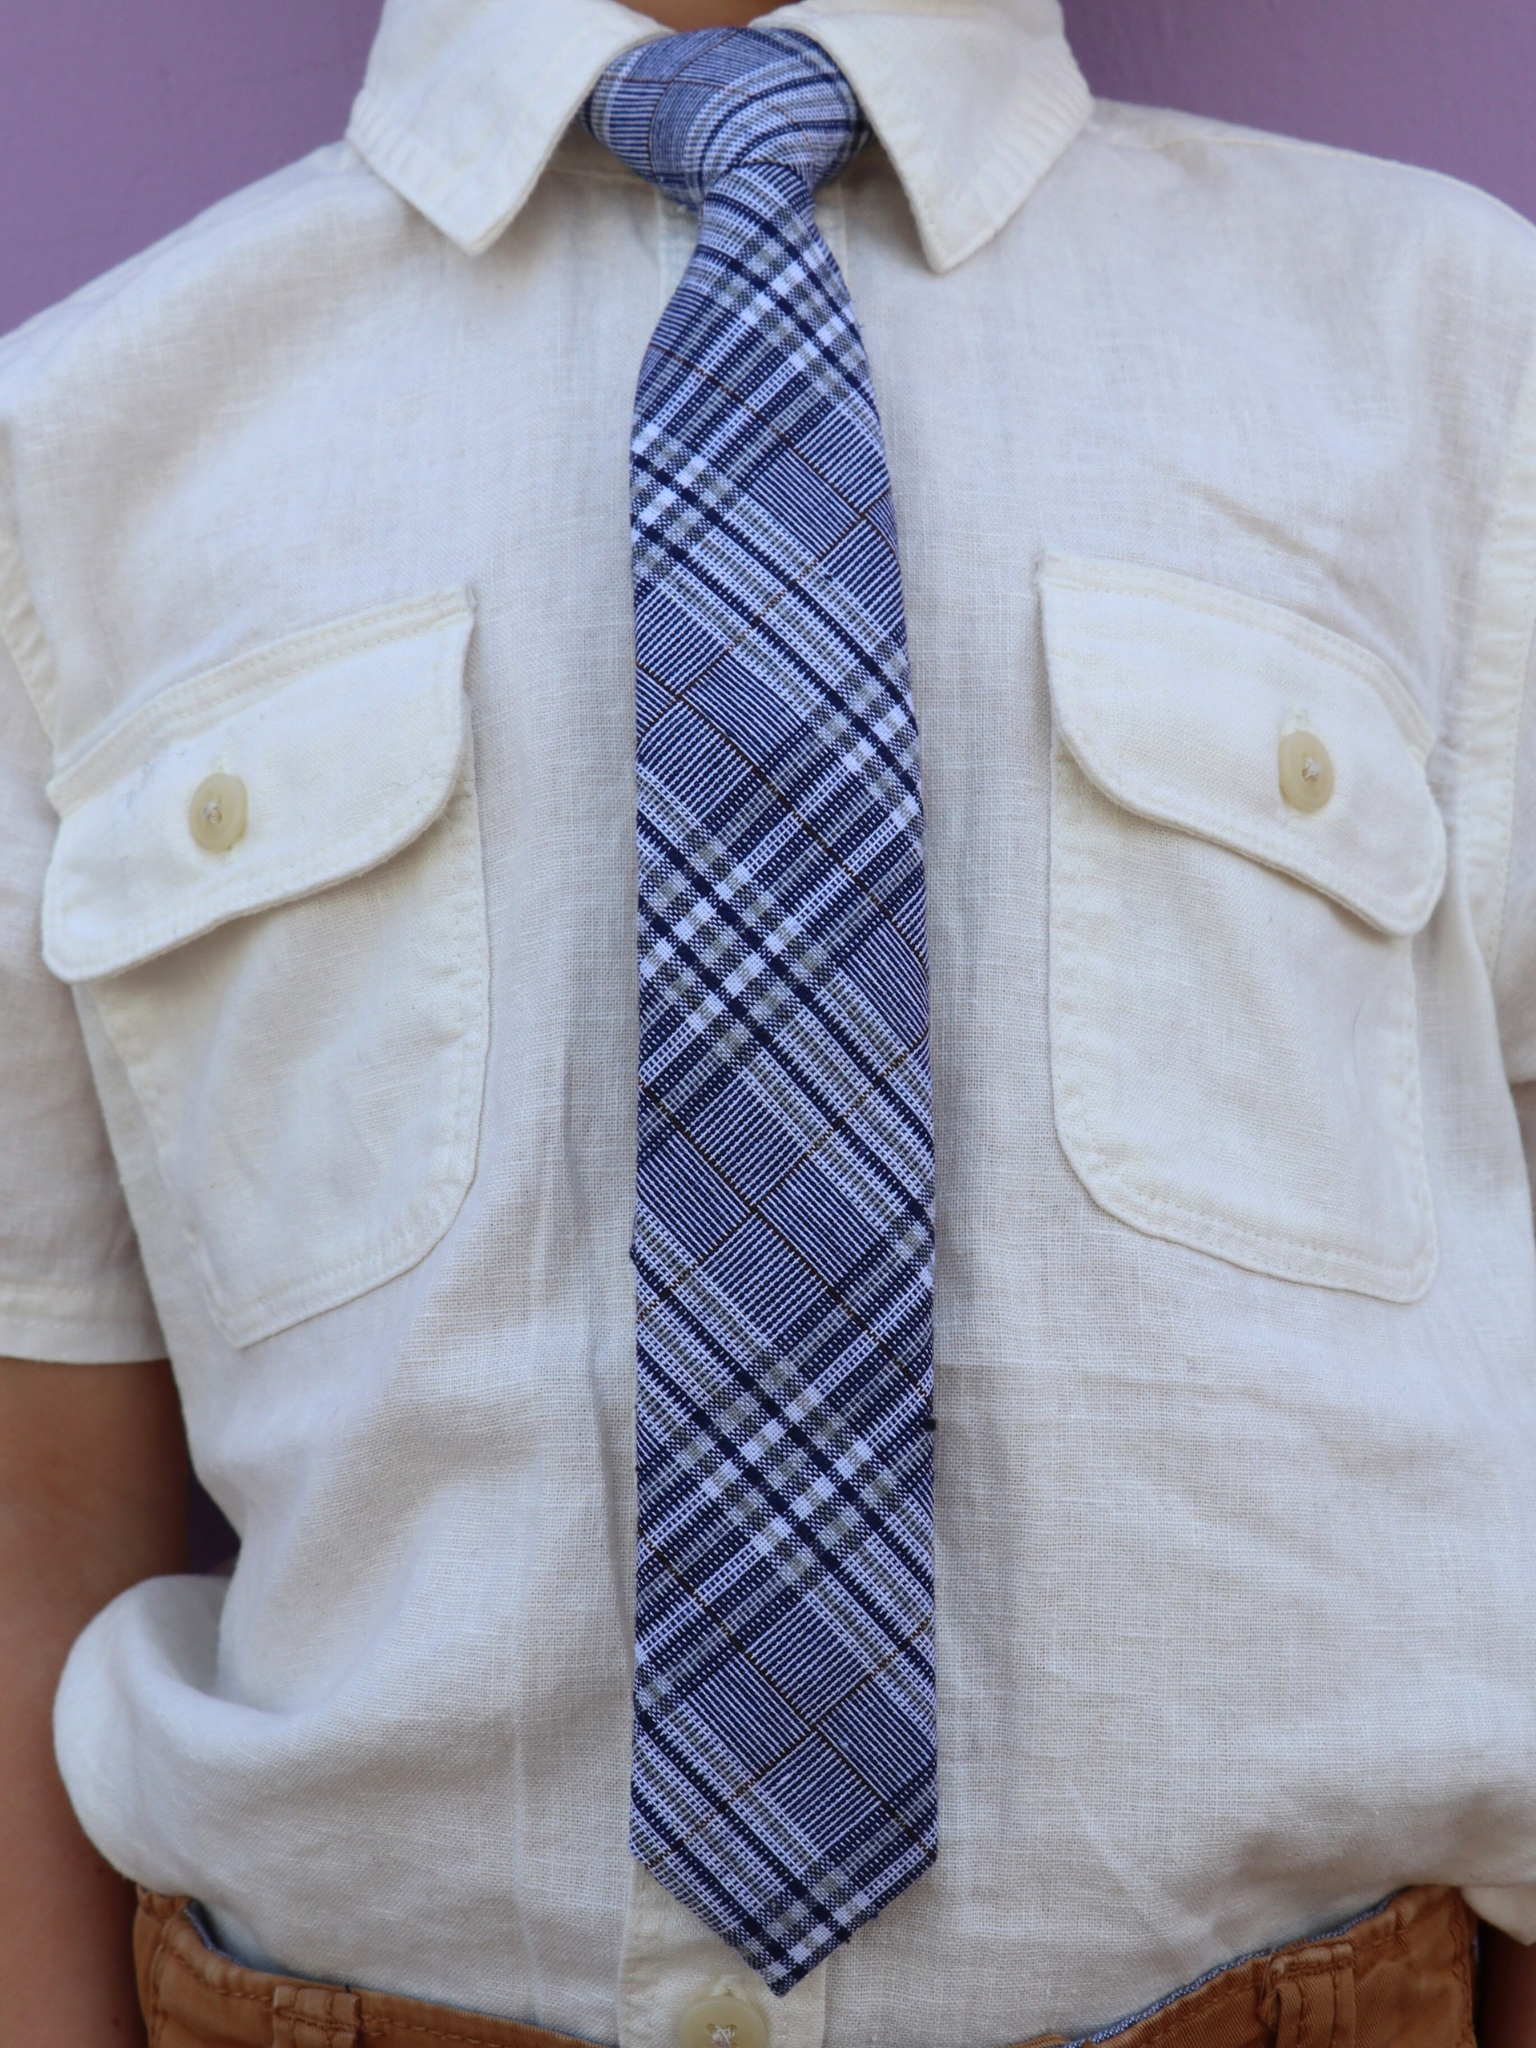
{"x": 93, "y": 1498}
{"x": 1509, "y": 1993}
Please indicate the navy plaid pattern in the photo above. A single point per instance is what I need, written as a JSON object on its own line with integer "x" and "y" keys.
{"x": 783, "y": 1782}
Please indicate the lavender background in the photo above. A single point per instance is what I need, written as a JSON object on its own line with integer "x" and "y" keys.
{"x": 119, "y": 119}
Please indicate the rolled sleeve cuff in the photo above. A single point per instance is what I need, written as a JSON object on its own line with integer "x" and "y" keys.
{"x": 109, "y": 1322}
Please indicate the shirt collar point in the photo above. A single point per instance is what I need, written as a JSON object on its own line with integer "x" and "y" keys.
{"x": 967, "y": 161}
{"x": 462, "y": 132}
{"x": 465, "y": 146}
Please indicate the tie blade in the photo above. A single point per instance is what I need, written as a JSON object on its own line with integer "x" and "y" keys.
{"x": 787, "y": 1860}
{"x": 784, "y": 1779}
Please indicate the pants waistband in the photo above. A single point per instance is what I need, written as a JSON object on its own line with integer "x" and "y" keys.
{"x": 1400, "y": 1978}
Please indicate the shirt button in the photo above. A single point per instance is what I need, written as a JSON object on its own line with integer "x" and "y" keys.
{"x": 1306, "y": 773}
{"x": 216, "y": 815}
{"x": 722, "y": 2022}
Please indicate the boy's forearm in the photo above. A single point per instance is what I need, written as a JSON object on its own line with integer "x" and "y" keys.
{"x": 1509, "y": 1993}
{"x": 92, "y": 1499}
{"x": 64, "y": 1914}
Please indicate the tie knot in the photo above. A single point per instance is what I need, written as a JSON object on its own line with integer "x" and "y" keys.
{"x": 687, "y": 110}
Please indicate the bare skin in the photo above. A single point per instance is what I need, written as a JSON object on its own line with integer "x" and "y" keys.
{"x": 93, "y": 1498}
{"x": 1509, "y": 1993}
{"x": 686, "y": 14}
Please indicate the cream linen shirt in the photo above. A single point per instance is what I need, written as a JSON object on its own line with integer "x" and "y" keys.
{"x": 1200, "y": 440}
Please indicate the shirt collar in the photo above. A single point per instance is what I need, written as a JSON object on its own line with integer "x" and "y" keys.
{"x": 973, "y": 100}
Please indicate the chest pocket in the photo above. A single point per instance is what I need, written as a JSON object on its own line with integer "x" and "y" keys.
{"x": 1243, "y": 845}
{"x": 299, "y": 996}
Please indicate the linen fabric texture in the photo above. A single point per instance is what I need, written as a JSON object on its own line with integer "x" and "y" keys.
{"x": 1194, "y": 436}
{"x": 783, "y": 1780}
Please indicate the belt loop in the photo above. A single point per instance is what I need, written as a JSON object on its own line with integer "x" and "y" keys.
{"x": 315, "y": 2016}
{"x": 1311, "y": 1997}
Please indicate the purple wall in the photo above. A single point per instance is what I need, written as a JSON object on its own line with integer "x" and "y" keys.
{"x": 121, "y": 118}
{"x": 1449, "y": 83}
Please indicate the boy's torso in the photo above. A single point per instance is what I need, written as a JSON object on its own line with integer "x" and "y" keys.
{"x": 1217, "y": 439}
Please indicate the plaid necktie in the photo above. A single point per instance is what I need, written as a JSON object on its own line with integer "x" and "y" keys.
{"x": 783, "y": 1779}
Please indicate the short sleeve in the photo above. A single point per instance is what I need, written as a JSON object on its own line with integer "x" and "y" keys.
{"x": 1515, "y": 959}
{"x": 1493, "y": 743}
{"x": 71, "y": 1285}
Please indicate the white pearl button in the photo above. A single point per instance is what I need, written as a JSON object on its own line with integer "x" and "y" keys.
{"x": 216, "y": 815}
{"x": 1306, "y": 772}
{"x": 722, "y": 2022}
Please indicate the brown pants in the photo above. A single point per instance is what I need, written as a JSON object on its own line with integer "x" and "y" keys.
{"x": 1401, "y": 1979}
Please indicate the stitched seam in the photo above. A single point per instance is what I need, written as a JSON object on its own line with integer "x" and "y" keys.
{"x": 444, "y": 1186}
{"x": 1058, "y": 109}
{"x": 157, "y": 1971}
{"x": 1497, "y": 682}
{"x": 378, "y": 2026}
{"x": 283, "y": 886}
{"x": 1109, "y": 578}
{"x": 443, "y": 1181}
{"x": 340, "y": 861}
{"x": 201, "y": 1962}
{"x": 512, "y": 173}
{"x": 1321, "y": 1247}
{"x": 233, "y": 685}
{"x": 1142, "y": 1204}
{"x": 341, "y": 2033}
{"x": 21, "y": 634}
{"x": 1167, "y": 804}
{"x": 77, "y": 1301}
{"x": 1312, "y": 1257}
{"x": 270, "y": 882}
{"x": 1221, "y": 136}
{"x": 463, "y": 170}
{"x": 1074, "y": 1010}
{"x": 103, "y": 1334}
{"x": 1388, "y": 1911}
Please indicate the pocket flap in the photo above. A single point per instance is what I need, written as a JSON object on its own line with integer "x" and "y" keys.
{"x": 1173, "y": 696}
{"x": 347, "y": 740}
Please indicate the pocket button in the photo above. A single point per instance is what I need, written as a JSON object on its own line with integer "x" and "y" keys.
{"x": 1306, "y": 772}
{"x": 721, "y": 2022}
{"x": 216, "y": 815}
